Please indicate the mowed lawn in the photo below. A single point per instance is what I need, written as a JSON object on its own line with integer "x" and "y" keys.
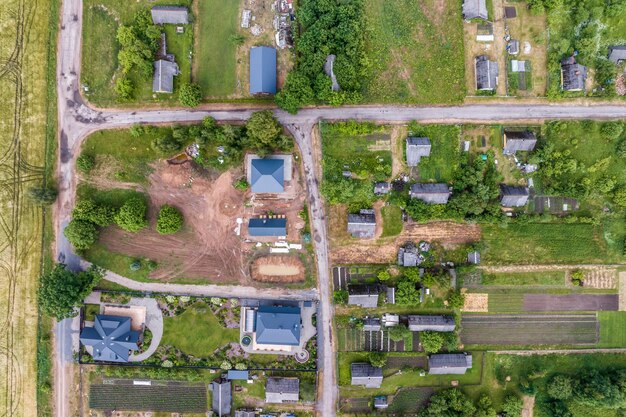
{"x": 197, "y": 331}
{"x": 544, "y": 243}
{"x": 214, "y": 59}
{"x": 392, "y": 221}
{"x": 416, "y": 51}
{"x": 445, "y": 152}
{"x": 612, "y": 328}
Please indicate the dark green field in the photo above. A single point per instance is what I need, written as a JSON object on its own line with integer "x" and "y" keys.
{"x": 128, "y": 397}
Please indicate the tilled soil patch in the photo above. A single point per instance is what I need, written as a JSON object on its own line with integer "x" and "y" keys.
{"x": 277, "y": 268}
{"x": 571, "y": 302}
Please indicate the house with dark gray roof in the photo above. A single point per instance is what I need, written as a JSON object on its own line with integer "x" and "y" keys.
{"x": 416, "y": 148}
{"x": 267, "y": 227}
{"x": 170, "y": 15}
{"x": 110, "y": 339}
{"x": 422, "y": 323}
{"x": 380, "y": 402}
{"x": 409, "y": 255}
{"x": 381, "y": 188}
{"x": 515, "y": 140}
{"x": 513, "y": 196}
{"x": 617, "y": 54}
{"x": 278, "y": 325}
{"x": 475, "y": 9}
{"x": 282, "y": 390}
{"x": 371, "y": 324}
{"x": 245, "y": 413}
{"x": 449, "y": 363}
{"x": 363, "y": 295}
{"x": 362, "y": 225}
{"x": 573, "y": 75}
{"x": 262, "y": 70}
{"x": 221, "y": 397}
{"x": 473, "y": 257}
{"x": 267, "y": 175}
{"x": 366, "y": 375}
{"x": 431, "y": 193}
{"x": 486, "y": 73}
{"x": 163, "y": 76}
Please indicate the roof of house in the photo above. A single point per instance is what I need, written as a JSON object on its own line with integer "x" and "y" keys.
{"x": 419, "y": 323}
{"x": 573, "y": 75}
{"x": 513, "y": 196}
{"x": 380, "y": 401}
{"x": 362, "y": 225}
{"x": 363, "y": 295}
{"x": 262, "y": 70}
{"x": 371, "y": 324}
{"x": 268, "y": 175}
{"x": 245, "y": 413}
{"x": 163, "y": 76}
{"x": 278, "y": 390}
{"x": 278, "y": 325}
{"x": 237, "y": 375}
{"x": 475, "y": 9}
{"x": 267, "y": 227}
{"x": 486, "y": 73}
{"x": 473, "y": 257}
{"x": 513, "y": 46}
{"x": 382, "y": 187}
{"x": 431, "y": 193}
{"x": 449, "y": 363}
{"x": 366, "y": 374}
{"x": 416, "y": 148}
{"x": 111, "y": 338}
{"x": 222, "y": 396}
{"x": 519, "y": 141}
{"x": 617, "y": 53}
{"x": 169, "y": 14}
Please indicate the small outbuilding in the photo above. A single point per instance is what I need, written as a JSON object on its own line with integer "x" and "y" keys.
{"x": 262, "y": 70}
{"x": 573, "y": 75}
{"x": 473, "y": 257}
{"x": 431, "y": 193}
{"x": 363, "y": 295}
{"x": 422, "y": 323}
{"x": 513, "y": 47}
{"x": 381, "y": 188}
{"x": 163, "y": 76}
{"x": 175, "y": 15}
{"x": 475, "y": 9}
{"x": 267, "y": 227}
{"x": 282, "y": 390}
{"x": 236, "y": 375}
{"x": 486, "y": 73}
{"x": 221, "y": 397}
{"x": 513, "y": 196}
{"x": 449, "y": 363}
{"x": 416, "y": 148}
{"x": 515, "y": 140}
{"x": 617, "y": 54}
{"x": 380, "y": 402}
{"x": 366, "y": 375}
{"x": 371, "y": 324}
{"x": 362, "y": 225}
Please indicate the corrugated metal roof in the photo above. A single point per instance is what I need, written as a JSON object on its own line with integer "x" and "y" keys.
{"x": 262, "y": 70}
{"x": 617, "y": 53}
{"x": 513, "y": 196}
{"x": 237, "y": 375}
{"x": 221, "y": 397}
{"x": 416, "y": 148}
{"x": 486, "y": 73}
{"x": 519, "y": 141}
{"x": 431, "y": 323}
{"x": 431, "y": 193}
{"x": 163, "y": 77}
{"x": 475, "y": 9}
{"x": 449, "y": 363}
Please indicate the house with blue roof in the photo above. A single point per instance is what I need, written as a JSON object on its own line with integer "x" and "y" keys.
{"x": 279, "y": 326}
{"x": 267, "y": 227}
{"x": 262, "y": 70}
{"x": 267, "y": 175}
{"x": 110, "y": 339}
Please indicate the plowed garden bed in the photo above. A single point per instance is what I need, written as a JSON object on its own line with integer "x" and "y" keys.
{"x": 278, "y": 268}
{"x": 571, "y": 302}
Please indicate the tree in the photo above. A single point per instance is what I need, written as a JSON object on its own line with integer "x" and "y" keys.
{"x": 166, "y": 144}
{"x": 384, "y": 276}
{"x": 81, "y": 234}
{"x": 611, "y": 130}
{"x": 406, "y": 293}
{"x": 432, "y": 342}
{"x": 170, "y": 220}
{"x": 456, "y": 299}
{"x": 296, "y": 92}
{"x": 85, "y": 163}
{"x": 378, "y": 359}
{"x": 619, "y": 197}
{"x": 485, "y": 407}
{"x": 398, "y": 333}
{"x": 560, "y": 387}
{"x": 132, "y": 215}
{"x": 42, "y": 196}
{"x": 190, "y": 95}
{"x": 448, "y": 403}
{"x": 596, "y": 389}
{"x": 62, "y": 290}
{"x": 124, "y": 88}
{"x": 412, "y": 274}
{"x": 557, "y": 409}
{"x": 263, "y": 130}
{"x": 87, "y": 210}
{"x": 136, "y": 130}
{"x": 513, "y": 406}
{"x": 578, "y": 278}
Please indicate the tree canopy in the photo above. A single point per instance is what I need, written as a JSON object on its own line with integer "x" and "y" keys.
{"x": 432, "y": 342}
{"x": 132, "y": 215}
{"x": 449, "y": 403}
{"x": 170, "y": 220}
{"x": 190, "y": 95}
{"x": 43, "y": 196}
{"x": 81, "y": 234}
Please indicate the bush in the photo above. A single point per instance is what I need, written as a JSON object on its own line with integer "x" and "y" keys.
{"x": 432, "y": 342}
{"x": 456, "y": 299}
{"x": 132, "y": 215}
{"x": 81, "y": 234}
{"x": 513, "y": 406}
{"x": 399, "y": 332}
{"x": 226, "y": 365}
{"x": 136, "y": 131}
{"x": 124, "y": 88}
{"x": 166, "y": 144}
{"x": 560, "y": 387}
{"x": 87, "y": 210}
{"x": 241, "y": 184}
{"x": 152, "y": 265}
{"x": 611, "y": 130}
{"x": 578, "y": 278}
{"x": 384, "y": 276}
{"x": 340, "y": 297}
{"x": 135, "y": 265}
{"x": 85, "y": 163}
{"x": 190, "y": 95}
{"x": 378, "y": 359}
{"x": 42, "y": 196}
{"x": 170, "y": 220}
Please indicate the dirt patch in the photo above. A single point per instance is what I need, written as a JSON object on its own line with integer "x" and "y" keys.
{"x": 529, "y": 406}
{"x": 601, "y": 278}
{"x": 475, "y": 303}
{"x": 277, "y": 268}
{"x": 351, "y": 251}
{"x": 622, "y": 291}
{"x": 571, "y": 302}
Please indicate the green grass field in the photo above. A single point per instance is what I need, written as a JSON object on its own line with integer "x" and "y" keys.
{"x": 116, "y": 262}
{"x": 416, "y": 52}
{"x": 197, "y": 331}
{"x": 392, "y": 221}
{"x": 543, "y": 243}
{"x": 445, "y": 153}
{"x": 214, "y": 68}
{"x": 612, "y": 328}
{"x": 114, "y": 197}
{"x": 556, "y": 278}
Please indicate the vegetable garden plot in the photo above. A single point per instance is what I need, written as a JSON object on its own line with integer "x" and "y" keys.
{"x": 571, "y": 302}
{"x": 179, "y": 398}
{"x": 504, "y": 329}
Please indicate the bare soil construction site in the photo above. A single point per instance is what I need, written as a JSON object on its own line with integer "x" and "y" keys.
{"x": 278, "y": 268}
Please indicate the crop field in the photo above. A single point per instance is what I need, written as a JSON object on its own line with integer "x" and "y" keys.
{"x": 521, "y": 330}
{"x": 355, "y": 340}
{"x": 173, "y": 397}
{"x": 27, "y": 146}
{"x": 571, "y": 302}
{"x": 416, "y": 51}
